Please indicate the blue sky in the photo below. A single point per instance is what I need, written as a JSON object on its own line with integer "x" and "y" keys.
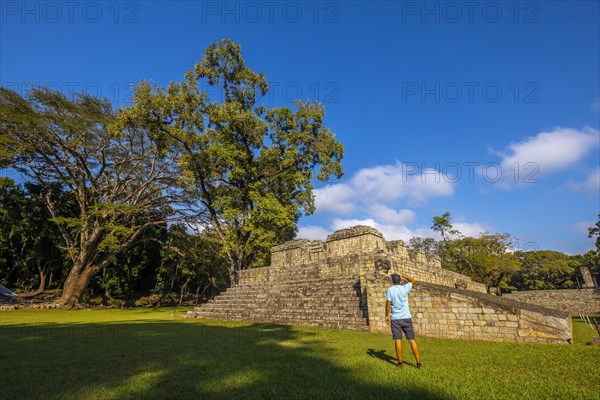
{"x": 490, "y": 111}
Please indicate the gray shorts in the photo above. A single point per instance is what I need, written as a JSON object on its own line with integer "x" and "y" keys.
{"x": 399, "y": 325}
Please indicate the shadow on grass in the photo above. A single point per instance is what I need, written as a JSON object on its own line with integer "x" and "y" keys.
{"x": 382, "y": 356}
{"x": 180, "y": 360}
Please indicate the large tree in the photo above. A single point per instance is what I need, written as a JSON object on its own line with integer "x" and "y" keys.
{"x": 486, "y": 258}
{"x": 250, "y": 168}
{"x": 545, "y": 269}
{"x": 122, "y": 178}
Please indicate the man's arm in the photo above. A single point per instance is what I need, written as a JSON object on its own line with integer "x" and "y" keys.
{"x": 388, "y": 308}
{"x": 408, "y": 278}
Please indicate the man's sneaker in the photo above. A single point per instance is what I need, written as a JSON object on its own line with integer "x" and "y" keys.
{"x": 419, "y": 365}
{"x": 399, "y": 365}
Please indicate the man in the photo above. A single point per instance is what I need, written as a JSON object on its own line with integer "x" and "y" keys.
{"x": 397, "y": 303}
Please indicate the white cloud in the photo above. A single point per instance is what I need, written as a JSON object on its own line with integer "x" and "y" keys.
{"x": 469, "y": 229}
{"x": 336, "y": 199}
{"x": 391, "y": 216}
{"x": 402, "y": 181}
{"x": 312, "y": 232}
{"x": 596, "y": 106}
{"x": 546, "y": 153}
{"x": 390, "y": 230}
{"x": 591, "y": 184}
{"x": 375, "y": 190}
{"x": 374, "y": 193}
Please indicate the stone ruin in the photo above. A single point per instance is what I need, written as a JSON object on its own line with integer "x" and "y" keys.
{"x": 588, "y": 282}
{"x": 341, "y": 283}
{"x": 584, "y": 300}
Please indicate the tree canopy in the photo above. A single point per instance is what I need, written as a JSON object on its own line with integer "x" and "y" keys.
{"x": 122, "y": 180}
{"x": 249, "y": 167}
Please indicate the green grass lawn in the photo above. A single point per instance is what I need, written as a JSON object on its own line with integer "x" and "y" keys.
{"x": 150, "y": 354}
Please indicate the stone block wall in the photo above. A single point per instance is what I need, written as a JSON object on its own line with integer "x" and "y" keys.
{"x": 573, "y": 301}
{"x": 440, "y": 311}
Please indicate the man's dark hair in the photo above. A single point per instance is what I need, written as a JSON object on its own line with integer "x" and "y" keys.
{"x": 396, "y": 279}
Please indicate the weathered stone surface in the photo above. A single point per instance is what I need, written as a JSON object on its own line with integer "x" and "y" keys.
{"x": 341, "y": 283}
{"x": 471, "y": 315}
{"x": 573, "y": 301}
{"x": 588, "y": 282}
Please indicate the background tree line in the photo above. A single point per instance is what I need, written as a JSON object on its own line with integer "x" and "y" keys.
{"x": 166, "y": 259}
{"x": 492, "y": 260}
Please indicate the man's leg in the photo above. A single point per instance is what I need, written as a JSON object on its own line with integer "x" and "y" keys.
{"x": 415, "y": 349}
{"x": 397, "y": 336}
{"x": 409, "y": 331}
{"x": 399, "y": 350}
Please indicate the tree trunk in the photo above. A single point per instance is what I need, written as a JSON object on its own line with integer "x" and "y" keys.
{"x": 182, "y": 291}
{"x": 234, "y": 273}
{"x": 42, "y": 273}
{"x": 234, "y": 276}
{"x": 50, "y": 279}
{"x": 75, "y": 284}
{"x": 199, "y": 294}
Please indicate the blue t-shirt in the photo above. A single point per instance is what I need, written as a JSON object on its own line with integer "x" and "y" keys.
{"x": 398, "y": 296}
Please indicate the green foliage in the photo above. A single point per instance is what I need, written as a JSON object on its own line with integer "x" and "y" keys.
{"x": 30, "y": 248}
{"x": 428, "y": 246}
{"x": 489, "y": 259}
{"x": 192, "y": 263}
{"x": 249, "y": 167}
{"x": 545, "y": 269}
{"x": 123, "y": 181}
{"x": 485, "y": 258}
{"x": 443, "y": 226}
{"x": 592, "y": 258}
{"x": 134, "y": 269}
{"x": 594, "y": 231}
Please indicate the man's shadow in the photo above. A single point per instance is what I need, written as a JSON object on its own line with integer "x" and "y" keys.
{"x": 382, "y": 356}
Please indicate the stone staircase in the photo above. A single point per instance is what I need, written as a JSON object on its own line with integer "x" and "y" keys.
{"x": 333, "y": 302}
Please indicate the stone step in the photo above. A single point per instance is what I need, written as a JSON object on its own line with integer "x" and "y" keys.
{"x": 301, "y": 272}
{"x": 285, "y": 306}
{"x": 291, "y": 292}
{"x": 313, "y": 295}
{"x": 303, "y": 282}
{"x": 286, "y": 314}
{"x": 348, "y": 306}
{"x": 291, "y": 310}
{"x": 290, "y": 305}
{"x": 288, "y": 290}
{"x": 305, "y": 299}
{"x": 298, "y": 318}
{"x": 248, "y": 300}
{"x": 353, "y": 323}
{"x": 299, "y": 298}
